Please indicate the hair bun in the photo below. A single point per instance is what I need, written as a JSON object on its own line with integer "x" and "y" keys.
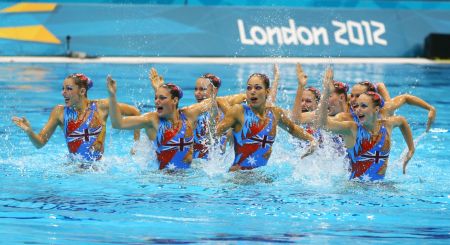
{"x": 90, "y": 83}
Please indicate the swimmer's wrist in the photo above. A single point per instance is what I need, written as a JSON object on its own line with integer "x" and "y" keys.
{"x": 113, "y": 97}
{"x": 29, "y": 131}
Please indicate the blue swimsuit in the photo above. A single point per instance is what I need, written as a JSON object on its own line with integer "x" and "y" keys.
{"x": 174, "y": 145}
{"x": 370, "y": 154}
{"x": 84, "y": 136}
{"x": 253, "y": 143}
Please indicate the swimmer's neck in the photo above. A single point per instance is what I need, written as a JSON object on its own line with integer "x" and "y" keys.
{"x": 173, "y": 117}
{"x": 82, "y": 105}
{"x": 260, "y": 110}
{"x": 371, "y": 125}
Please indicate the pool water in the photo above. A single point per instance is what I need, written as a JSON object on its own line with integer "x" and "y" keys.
{"x": 46, "y": 200}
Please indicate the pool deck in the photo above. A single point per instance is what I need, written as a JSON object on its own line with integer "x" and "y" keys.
{"x": 217, "y": 60}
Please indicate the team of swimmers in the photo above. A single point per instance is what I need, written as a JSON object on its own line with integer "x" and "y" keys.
{"x": 361, "y": 122}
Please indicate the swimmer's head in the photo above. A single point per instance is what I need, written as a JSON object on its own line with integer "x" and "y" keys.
{"x": 174, "y": 91}
{"x": 310, "y": 99}
{"x": 257, "y": 89}
{"x": 263, "y": 77}
{"x": 368, "y": 106}
{"x": 340, "y": 88}
{"x": 215, "y": 80}
{"x": 337, "y": 98}
{"x": 376, "y": 98}
{"x": 359, "y": 89}
{"x": 82, "y": 81}
{"x": 206, "y": 86}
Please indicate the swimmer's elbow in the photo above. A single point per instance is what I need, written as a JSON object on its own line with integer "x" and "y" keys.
{"x": 115, "y": 124}
{"x": 404, "y": 122}
{"x": 39, "y": 144}
{"x": 409, "y": 99}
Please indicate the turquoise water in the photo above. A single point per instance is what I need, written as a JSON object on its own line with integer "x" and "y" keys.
{"x": 45, "y": 200}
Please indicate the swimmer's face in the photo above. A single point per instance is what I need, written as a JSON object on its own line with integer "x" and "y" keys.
{"x": 365, "y": 109}
{"x": 71, "y": 92}
{"x": 164, "y": 103}
{"x": 256, "y": 92}
{"x": 309, "y": 102}
{"x": 357, "y": 90}
{"x": 334, "y": 103}
{"x": 203, "y": 89}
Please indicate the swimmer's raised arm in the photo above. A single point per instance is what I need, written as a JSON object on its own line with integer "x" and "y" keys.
{"x": 132, "y": 122}
{"x": 344, "y": 128}
{"x": 343, "y": 116}
{"x": 231, "y": 119}
{"x": 233, "y": 99}
{"x": 347, "y": 129}
{"x": 398, "y": 121}
{"x": 155, "y": 78}
{"x": 409, "y": 99}
{"x": 39, "y": 140}
{"x": 288, "y": 125}
{"x": 226, "y": 102}
{"x": 322, "y": 109}
{"x": 302, "y": 81}
{"x": 129, "y": 110}
{"x": 274, "y": 89}
{"x": 382, "y": 90}
{"x": 193, "y": 111}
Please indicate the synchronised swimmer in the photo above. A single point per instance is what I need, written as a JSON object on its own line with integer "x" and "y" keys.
{"x": 361, "y": 121}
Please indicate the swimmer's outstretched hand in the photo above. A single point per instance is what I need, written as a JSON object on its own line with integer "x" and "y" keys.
{"x": 22, "y": 123}
{"x": 329, "y": 73}
{"x": 301, "y": 76}
{"x": 111, "y": 85}
{"x": 312, "y": 147}
{"x": 431, "y": 118}
{"x": 327, "y": 84}
{"x": 408, "y": 157}
{"x": 276, "y": 72}
{"x": 155, "y": 78}
{"x": 274, "y": 89}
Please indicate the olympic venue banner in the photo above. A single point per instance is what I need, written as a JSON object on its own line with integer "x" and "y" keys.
{"x": 43, "y": 29}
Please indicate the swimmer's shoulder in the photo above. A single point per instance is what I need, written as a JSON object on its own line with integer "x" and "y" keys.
{"x": 58, "y": 113}
{"x": 236, "y": 108}
{"x": 102, "y": 104}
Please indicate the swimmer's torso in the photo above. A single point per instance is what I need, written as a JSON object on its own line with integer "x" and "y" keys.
{"x": 85, "y": 133}
{"x": 370, "y": 154}
{"x": 253, "y": 143}
{"x": 174, "y": 144}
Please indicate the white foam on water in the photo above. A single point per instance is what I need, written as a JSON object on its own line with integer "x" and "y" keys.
{"x": 438, "y": 130}
{"x": 323, "y": 167}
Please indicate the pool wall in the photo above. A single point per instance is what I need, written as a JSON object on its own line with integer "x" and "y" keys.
{"x": 109, "y": 29}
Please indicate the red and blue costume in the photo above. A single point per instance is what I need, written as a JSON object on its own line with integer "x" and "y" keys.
{"x": 253, "y": 143}
{"x": 84, "y": 134}
{"x": 174, "y": 144}
{"x": 370, "y": 154}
